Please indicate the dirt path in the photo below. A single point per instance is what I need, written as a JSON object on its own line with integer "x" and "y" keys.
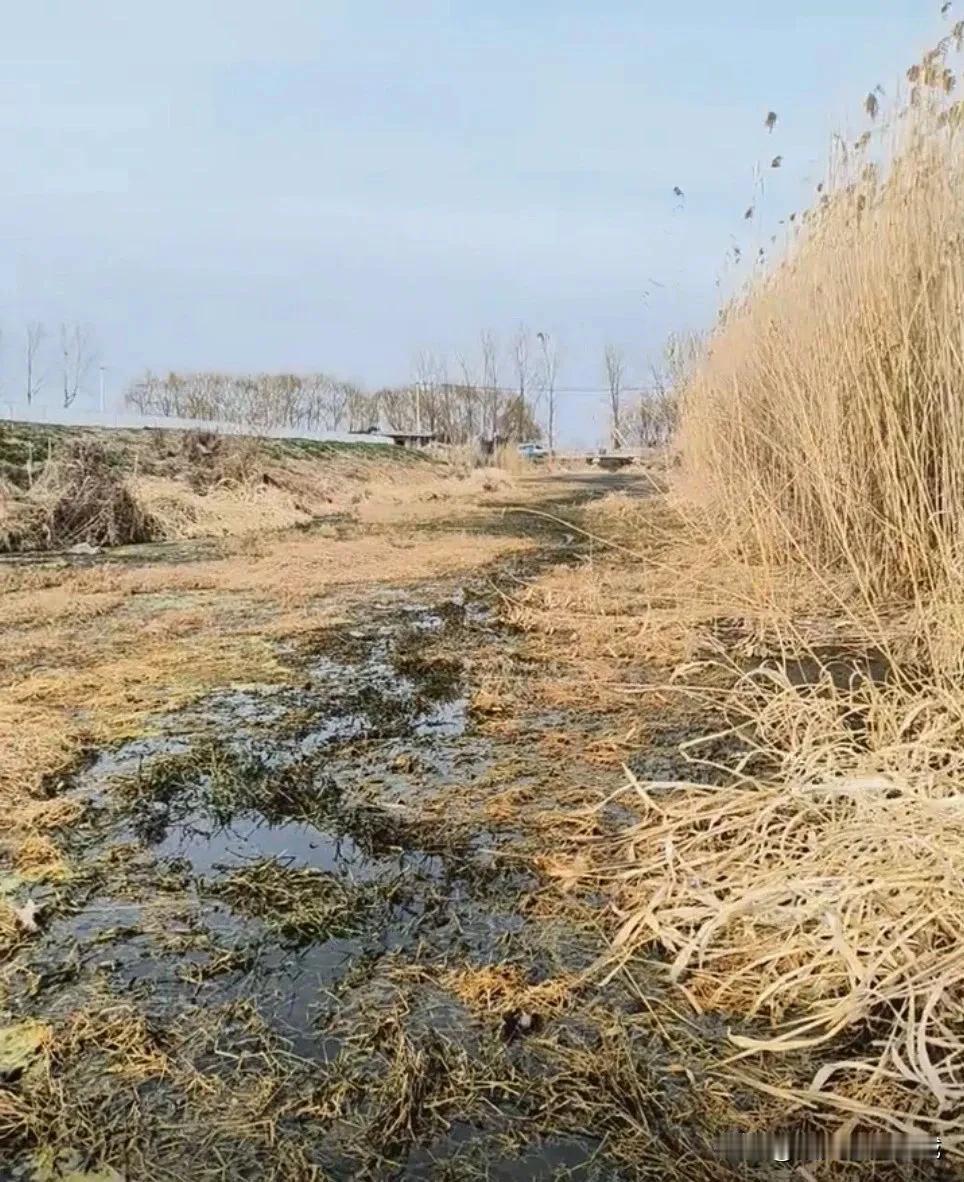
{"x": 301, "y": 930}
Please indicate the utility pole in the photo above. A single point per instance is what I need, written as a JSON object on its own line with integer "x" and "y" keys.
{"x": 102, "y": 400}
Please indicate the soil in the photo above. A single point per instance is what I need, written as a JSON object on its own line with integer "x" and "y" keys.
{"x": 286, "y": 893}
{"x": 308, "y": 937}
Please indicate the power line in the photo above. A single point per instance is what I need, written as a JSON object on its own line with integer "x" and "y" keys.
{"x": 606, "y": 390}
{"x": 513, "y": 391}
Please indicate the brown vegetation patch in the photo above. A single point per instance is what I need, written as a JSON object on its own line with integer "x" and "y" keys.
{"x": 504, "y": 988}
{"x": 84, "y": 499}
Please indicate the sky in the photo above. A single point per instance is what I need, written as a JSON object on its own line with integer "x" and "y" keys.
{"x": 336, "y": 186}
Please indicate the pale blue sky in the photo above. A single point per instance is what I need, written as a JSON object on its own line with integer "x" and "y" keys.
{"x": 336, "y": 185}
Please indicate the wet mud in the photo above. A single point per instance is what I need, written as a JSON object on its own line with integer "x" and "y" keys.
{"x": 267, "y": 963}
{"x": 297, "y": 946}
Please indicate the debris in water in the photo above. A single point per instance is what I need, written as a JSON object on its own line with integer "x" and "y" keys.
{"x": 26, "y": 915}
{"x": 517, "y": 1024}
{"x": 19, "y": 1044}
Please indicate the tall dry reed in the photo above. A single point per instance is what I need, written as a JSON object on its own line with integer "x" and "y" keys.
{"x": 813, "y": 889}
{"x": 826, "y": 419}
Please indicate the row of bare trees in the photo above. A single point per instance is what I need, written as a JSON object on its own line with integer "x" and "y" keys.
{"x": 430, "y": 404}
{"x": 512, "y": 394}
{"x": 497, "y": 393}
{"x": 489, "y": 392}
{"x": 313, "y": 402}
{"x": 67, "y": 356}
{"x": 457, "y": 412}
{"x": 457, "y": 401}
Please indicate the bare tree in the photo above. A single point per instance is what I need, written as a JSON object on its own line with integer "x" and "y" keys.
{"x": 520, "y": 362}
{"x": 78, "y": 353}
{"x": 36, "y": 333}
{"x": 549, "y": 370}
{"x": 429, "y": 373}
{"x": 490, "y": 379}
{"x": 615, "y": 373}
{"x": 471, "y": 391}
{"x": 443, "y": 420}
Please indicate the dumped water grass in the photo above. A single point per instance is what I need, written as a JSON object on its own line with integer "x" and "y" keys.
{"x": 385, "y": 990}
{"x": 214, "y": 779}
{"x": 397, "y": 1100}
{"x": 303, "y": 905}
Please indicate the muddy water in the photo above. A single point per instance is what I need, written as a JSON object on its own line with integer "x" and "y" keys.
{"x": 326, "y": 777}
{"x": 311, "y": 853}
{"x": 280, "y": 889}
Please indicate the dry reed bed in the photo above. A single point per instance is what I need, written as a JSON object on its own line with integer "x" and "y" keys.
{"x": 816, "y": 901}
{"x": 812, "y": 902}
{"x": 824, "y": 421}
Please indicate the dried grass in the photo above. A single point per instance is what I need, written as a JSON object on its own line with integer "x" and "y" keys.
{"x": 824, "y": 423}
{"x": 504, "y": 988}
{"x": 84, "y": 499}
{"x": 811, "y": 900}
{"x": 823, "y": 905}
{"x": 812, "y": 893}
{"x": 93, "y": 655}
{"x": 509, "y": 459}
{"x": 223, "y": 510}
{"x": 105, "y": 488}
{"x": 38, "y": 858}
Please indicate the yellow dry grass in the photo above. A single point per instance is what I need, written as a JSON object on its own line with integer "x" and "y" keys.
{"x": 423, "y": 497}
{"x": 221, "y": 512}
{"x": 813, "y": 901}
{"x": 502, "y": 988}
{"x": 824, "y": 423}
{"x": 812, "y": 894}
{"x": 822, "y": 907}
{"x": 374, "y": 491}
{"x": 92, "y": 655}
{"x": 145, "y": 639}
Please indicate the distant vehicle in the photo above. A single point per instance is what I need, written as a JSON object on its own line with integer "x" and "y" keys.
{"x": 532, "y": 451}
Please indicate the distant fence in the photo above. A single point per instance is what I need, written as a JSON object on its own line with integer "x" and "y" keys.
{"x": 125, "y": 420}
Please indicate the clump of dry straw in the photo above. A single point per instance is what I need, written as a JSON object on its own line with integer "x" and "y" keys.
{"x": 818, "y": 901}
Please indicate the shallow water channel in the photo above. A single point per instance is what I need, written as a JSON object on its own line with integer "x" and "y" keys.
{"x": 306, "y": 863}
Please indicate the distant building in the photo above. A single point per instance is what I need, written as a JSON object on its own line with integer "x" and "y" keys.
{"x": 401, "y": 438}
{"x": 411, "y": 438}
